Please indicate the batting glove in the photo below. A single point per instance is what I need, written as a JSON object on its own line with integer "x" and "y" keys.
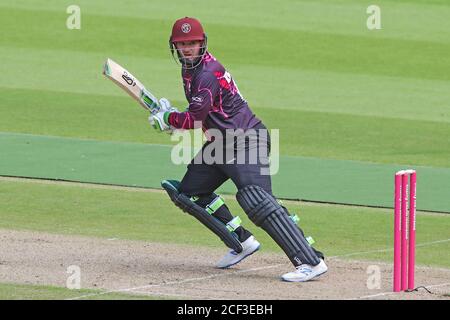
{"x": 166, "y": 106}
{"x": 160, "y": 121}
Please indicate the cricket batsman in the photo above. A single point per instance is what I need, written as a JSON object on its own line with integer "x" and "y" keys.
{"x": 216, "y": 103}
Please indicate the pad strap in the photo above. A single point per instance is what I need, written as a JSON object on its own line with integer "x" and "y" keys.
{"x": 215, "y": 205}
{"x": 234, "y": 224}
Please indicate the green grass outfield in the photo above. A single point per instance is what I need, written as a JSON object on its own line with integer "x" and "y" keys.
{"x": 10, "y": 291}
{"x": 151, "y": 216}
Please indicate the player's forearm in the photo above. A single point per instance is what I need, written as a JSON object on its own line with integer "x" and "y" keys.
{"x": 181, "y": 120}
{"x": 188, "y": 119}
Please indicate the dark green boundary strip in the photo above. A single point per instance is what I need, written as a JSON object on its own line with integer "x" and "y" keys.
{"x": 145, "y": 165}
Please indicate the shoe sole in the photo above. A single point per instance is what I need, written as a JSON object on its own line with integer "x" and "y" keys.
{"x": 230, "y": 265}
{"x": 316, "y": 276}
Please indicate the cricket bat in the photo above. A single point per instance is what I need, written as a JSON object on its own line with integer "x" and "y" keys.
{"x": 131, "y": 85}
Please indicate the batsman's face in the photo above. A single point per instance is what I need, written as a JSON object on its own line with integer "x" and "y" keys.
{"x": 189, "y": 49}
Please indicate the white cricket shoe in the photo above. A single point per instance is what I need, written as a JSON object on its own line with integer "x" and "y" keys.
{"x": 305, "y": 272}
{"x": 249, "y": 246}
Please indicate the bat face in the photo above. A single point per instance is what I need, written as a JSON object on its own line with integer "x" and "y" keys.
{"x": 124, "y": 79}
{"x": 128, "y": 78}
